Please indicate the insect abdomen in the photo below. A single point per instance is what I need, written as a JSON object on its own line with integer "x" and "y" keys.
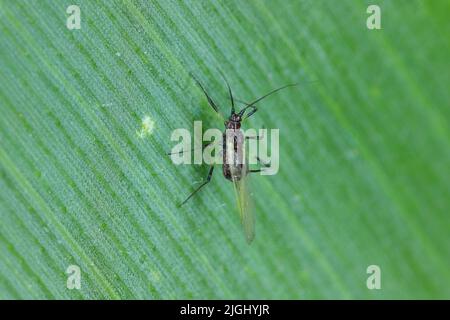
{"x": 233, "y": 169}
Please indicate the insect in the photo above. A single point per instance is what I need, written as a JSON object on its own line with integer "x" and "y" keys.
{"x": 234, "y": 168}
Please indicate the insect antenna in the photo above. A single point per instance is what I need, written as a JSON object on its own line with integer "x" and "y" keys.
{"x": 230, "y": 93}
{"x": 251, "y": 104}
{"x": 210, "y": 100}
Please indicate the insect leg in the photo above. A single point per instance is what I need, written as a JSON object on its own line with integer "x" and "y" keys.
{"x": 254, "y": 109}
{"x": 262, "y": 163}
{"x": 210, "y": 100}
{"x": 248, "y": 105}
{"x": 265, "y": 165}
{"x": 208, "y": 179}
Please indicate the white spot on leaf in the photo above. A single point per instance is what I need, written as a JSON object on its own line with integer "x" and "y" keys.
{"x": 147, "y": 126}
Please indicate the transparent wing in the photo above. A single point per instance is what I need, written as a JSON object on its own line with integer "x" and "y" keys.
{"x": 245, "y": 206}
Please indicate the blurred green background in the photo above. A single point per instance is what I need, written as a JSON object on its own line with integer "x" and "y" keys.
{"x": 365, "y": 149}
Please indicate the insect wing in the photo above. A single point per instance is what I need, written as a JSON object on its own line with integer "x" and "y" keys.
{"x": 245, "y": 207}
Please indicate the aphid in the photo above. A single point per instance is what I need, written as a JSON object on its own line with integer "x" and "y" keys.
{"x": 233, "y": 168}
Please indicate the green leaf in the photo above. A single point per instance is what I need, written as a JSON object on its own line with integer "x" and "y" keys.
{"x": 86, "y": 119}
